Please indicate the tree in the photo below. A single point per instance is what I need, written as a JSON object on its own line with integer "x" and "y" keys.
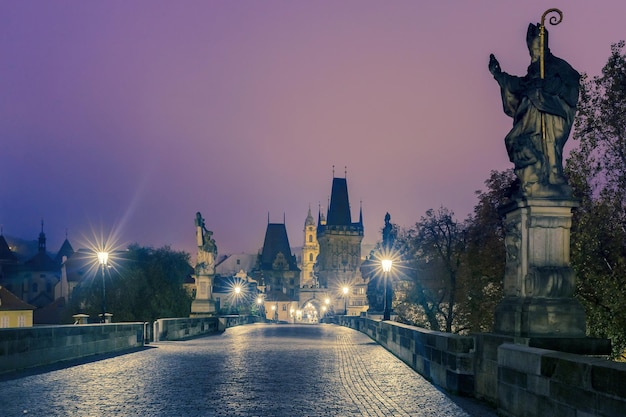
{"x": 434, "y": 251}
{"x": 145, "y": 284}
{"x": 597, "y": 172}
{"x": 485, "y": 254}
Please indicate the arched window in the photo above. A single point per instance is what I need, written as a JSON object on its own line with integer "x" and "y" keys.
{"x": 310, "y": 238}
{"x": 310, "y": 257}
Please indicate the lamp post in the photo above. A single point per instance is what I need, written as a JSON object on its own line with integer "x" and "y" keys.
{"x": 259, "y": 301}
{"x": 103, "y": 258}
{"x": 386, "y": 264}
{"x": 345, "y": 300}
{"x": 237, "y": 293}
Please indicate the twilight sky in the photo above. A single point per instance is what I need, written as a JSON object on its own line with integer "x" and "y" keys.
{"x": 128, "y": 117}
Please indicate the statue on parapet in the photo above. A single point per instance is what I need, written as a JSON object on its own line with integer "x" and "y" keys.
{"x": 542, "y": 104}
{"x": 207, "y": 249}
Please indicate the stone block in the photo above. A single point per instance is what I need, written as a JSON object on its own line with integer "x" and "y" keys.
{"x": 573, "y": 396}
{"x": 538, "y": 385}
{"x": 609, "y": 377}
{"x": 521, "y": 358}
{"x": 512, "y": 377}
{"x": 609, "y": 406}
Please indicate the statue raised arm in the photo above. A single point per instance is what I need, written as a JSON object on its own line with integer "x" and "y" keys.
{"x": 542, "y": 104}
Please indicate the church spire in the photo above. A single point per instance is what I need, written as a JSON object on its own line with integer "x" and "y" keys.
{"x": 42, "y": 239}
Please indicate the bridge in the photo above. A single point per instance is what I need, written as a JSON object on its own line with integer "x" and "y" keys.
{"x": 251, "y": 370}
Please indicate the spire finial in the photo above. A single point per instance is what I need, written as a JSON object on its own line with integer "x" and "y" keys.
{"x": 345, "y": 172}
{"x": 333, "y": 171}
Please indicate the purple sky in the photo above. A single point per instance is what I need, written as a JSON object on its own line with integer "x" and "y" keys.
{"x": 129, "y": 117}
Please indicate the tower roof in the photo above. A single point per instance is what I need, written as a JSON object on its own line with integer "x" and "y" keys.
{"x": 6, "y": 254}
{"x": 276, "y": 241}
{"x": 66, "y": 250}
{"x": 339, "y": 209}
{"x": 310, "y": 221}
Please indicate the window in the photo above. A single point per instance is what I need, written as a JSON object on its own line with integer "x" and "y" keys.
{"x": 284, "y": 307}
{"x": 310, "y": 238}
{"x": 4, "y": 321}
{"x": 238, "y": 261}
{"x": 310, "y": 257}
{"x": 21, "y": 321}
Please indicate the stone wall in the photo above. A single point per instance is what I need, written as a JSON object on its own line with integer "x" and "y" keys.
{"x": 183, "y": 328}
{"x": 540, "y": 382}
{"x": 22, "y": 348}
{"x": 520, "y": 380}
{"x": 445, "y": 359}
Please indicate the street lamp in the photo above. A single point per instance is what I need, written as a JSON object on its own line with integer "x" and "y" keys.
{"x": 259, "y": 301}
{"x": 345, "y": 300}
{"x": 103, "y": 258}
{"x": 237, "y": 290}
{"x": 386, "y": 264}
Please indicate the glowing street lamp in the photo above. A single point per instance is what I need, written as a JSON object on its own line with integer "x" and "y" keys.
{"x": 386, "y": 265}
{"x": 237, "y": 292}
{"x": 345, "y": 291}
{"x": 103, "y": 258}
{"x": 259, "y": 301}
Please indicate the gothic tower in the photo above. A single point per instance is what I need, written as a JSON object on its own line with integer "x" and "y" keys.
{"x": 339, "y": 241}
{"x": 310, "y": 251}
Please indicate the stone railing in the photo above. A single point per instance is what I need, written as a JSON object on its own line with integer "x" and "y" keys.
{"x": 184, "y": 328}
{"x": 27, "y": 347}
{"x": 520, "y": 380}
{"x": 445, "y": 359}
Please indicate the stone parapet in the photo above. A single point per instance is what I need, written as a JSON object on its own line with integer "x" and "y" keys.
{"x": 22, "y": 348}
{"x": 541, "y": 382}
{"x": 445, "y": 359}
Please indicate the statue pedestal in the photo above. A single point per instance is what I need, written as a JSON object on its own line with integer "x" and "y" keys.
{"x": 203, "y": 305}
{"x": 539, "y": 282}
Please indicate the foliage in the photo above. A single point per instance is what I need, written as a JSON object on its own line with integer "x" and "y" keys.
{"x": 145, "y": 285}
{"x": 434, "y": 248}
{"x": 486, "y": 253}
{"x": 597, "y": 172}
{"x": 454, "y": 269}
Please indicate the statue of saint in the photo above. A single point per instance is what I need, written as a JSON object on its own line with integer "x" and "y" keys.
{"x": 542, "y": 105}
{"x": 207, "y": 249}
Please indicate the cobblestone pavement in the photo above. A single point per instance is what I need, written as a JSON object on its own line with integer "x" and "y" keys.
{"x": 255, "y": 370}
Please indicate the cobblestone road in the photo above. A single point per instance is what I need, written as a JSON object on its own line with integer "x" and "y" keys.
{"x": 255, "y": 370}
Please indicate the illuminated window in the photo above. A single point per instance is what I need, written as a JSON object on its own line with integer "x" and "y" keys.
{"x": 4, "y": 322}
{"x": 21, "y": 321}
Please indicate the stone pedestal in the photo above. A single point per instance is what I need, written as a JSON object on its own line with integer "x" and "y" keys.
{"x": 203, "y": 305}
{"x": 539, "y": 281}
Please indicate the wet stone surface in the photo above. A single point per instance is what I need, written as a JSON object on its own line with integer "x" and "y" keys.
{"x": 254, "y": 370}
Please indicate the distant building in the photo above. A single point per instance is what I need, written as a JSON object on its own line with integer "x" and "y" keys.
{"x": 339, "y": 260}
{"x": 34, "y": 281}
{"x": 310, "y": 251}
{"x": 232, "y": 264}
{"x": 278, "y": 273}
{"x": 13, "y": 311}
